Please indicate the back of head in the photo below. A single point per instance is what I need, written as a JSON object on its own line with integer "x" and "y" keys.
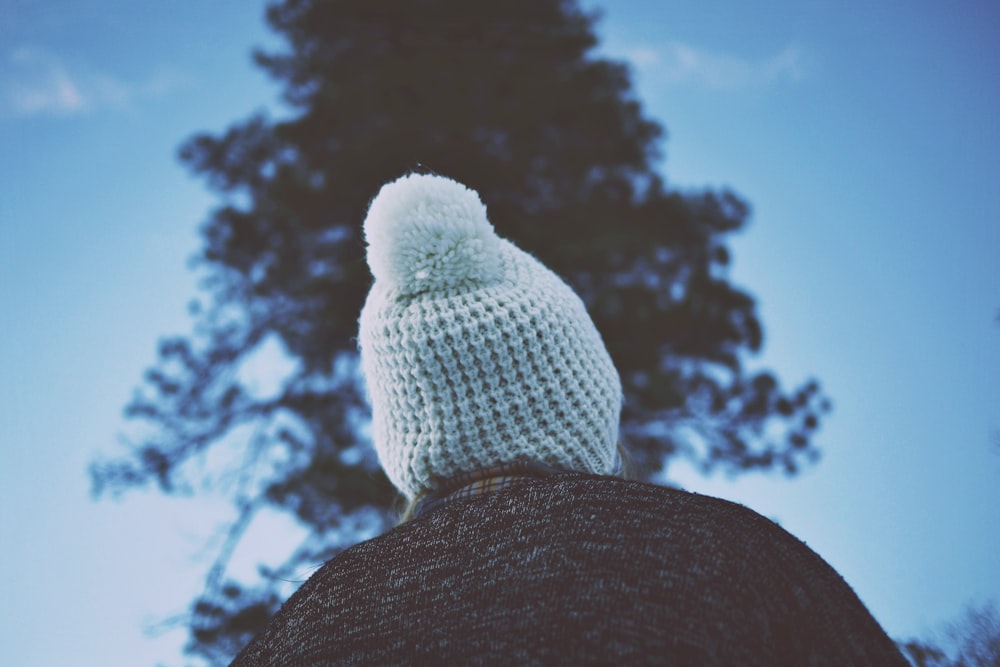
{"x": 475, "y": 356}
{"x": 474, "y": 353}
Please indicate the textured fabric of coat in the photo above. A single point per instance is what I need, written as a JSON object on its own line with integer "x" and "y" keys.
{"x": 577, "y": 570}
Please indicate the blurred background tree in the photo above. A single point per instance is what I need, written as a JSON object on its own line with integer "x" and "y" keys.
{"x": 972, "y": 640}
{"x": 511, "y": 99}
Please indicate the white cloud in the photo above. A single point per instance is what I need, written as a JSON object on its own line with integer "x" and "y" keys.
{"x": 37, "y": 82}
{"x": 679, "y": 63}
{"x": 643, "y": 56}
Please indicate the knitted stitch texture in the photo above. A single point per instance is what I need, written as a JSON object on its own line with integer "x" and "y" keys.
{"x": 473, "y": 352}
{"x": 577, "y": 570}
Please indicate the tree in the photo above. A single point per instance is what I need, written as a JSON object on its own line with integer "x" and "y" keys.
{"x": 972, "y": 640}
{"x": 510, "y": 99}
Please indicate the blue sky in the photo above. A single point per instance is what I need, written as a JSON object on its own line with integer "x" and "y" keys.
{"x": 863, "y": 134}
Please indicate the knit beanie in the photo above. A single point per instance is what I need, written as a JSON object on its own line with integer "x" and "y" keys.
{"x": 475, "y": 354}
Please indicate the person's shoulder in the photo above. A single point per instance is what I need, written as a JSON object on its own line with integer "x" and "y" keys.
{"x": 655, "y": 508}
{"x": 637, "y": 496}
{"x": 572, "y": 504}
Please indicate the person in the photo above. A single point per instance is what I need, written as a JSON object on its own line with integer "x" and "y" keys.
{"x": 495, "y": 410}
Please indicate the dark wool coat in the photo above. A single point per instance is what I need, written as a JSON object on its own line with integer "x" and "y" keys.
{"x": 572, "y": 570}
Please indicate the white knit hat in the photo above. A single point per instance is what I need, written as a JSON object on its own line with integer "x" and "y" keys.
{"x": 474, "y": 353}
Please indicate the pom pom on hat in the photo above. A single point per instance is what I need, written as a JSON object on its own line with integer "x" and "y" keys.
{"x": 430, "y": 233}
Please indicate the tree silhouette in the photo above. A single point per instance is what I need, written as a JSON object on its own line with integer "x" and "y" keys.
{"x": 510, "y": 99}
{"x": 972, "y": 640}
